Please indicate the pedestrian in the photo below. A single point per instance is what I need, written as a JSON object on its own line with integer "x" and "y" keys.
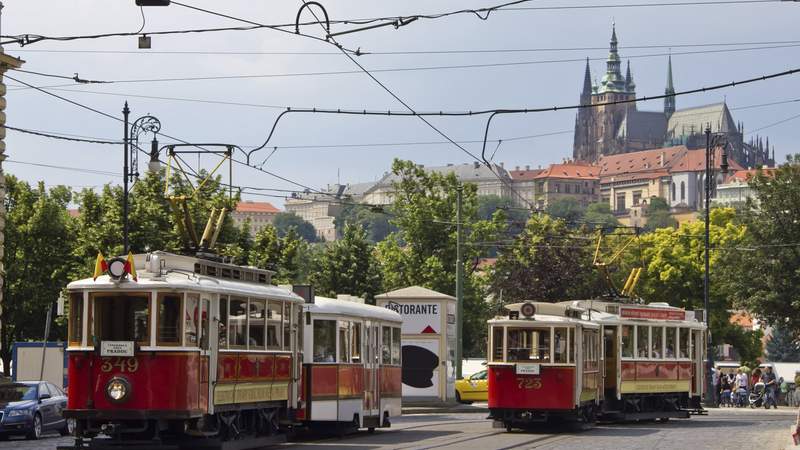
{"x": 725, "y": 391}
{"x": 784, "y": 391}
{"x": 771, "y": 386}
{"x": 741, "y": 387}
{"x": 756, "y": 377}
{"x": 715, "y": 384}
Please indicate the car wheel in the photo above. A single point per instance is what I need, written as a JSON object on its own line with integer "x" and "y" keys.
{"x": 69, "y": 428}
{"x": 36, "y": 429}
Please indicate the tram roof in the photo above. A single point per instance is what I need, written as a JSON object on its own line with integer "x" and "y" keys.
{"x": 332, "y": 306}
{"x": 185, "y": 281}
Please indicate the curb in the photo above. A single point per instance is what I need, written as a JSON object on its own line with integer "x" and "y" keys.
{"x": 445, "y": 409}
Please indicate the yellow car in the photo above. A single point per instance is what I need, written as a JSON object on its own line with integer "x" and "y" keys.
{"x": 473, "y": 388}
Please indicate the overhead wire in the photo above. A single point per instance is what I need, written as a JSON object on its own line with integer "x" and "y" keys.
{"x": 62, "y": 137}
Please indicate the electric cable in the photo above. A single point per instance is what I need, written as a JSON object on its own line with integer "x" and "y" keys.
{"x": 65, "y": 138}
{"x": 74, "y": 169}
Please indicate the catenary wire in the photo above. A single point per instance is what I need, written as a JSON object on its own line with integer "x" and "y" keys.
{"x": 65, "y": 138}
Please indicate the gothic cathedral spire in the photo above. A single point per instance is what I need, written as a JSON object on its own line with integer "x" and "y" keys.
{"x": 612, "y": 81}
{"x": 669, "y": 102}
{"x": 586, "y": 93}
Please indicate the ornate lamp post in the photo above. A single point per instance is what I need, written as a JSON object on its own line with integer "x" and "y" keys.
{"x": 142, "y": 125}
{"x": 718, "y": 140}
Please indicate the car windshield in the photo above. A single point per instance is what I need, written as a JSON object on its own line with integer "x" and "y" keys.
{"x": 17, "y": 392}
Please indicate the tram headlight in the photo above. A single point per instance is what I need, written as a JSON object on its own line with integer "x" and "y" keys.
{"x": 118, "y": 389}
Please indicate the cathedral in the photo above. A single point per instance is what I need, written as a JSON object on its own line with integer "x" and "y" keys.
{"x": 609, "y": 129}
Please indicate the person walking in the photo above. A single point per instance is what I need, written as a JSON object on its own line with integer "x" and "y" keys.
{"x": 715, "y": 383}
{"x": 771, "y": 386}
{"x": 741, "y": 387}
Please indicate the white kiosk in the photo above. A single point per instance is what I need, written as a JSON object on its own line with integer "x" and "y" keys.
{"x": 429, "y": 342}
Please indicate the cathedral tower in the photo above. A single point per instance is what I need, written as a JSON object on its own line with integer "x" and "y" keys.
{"x": 669, "y": 102}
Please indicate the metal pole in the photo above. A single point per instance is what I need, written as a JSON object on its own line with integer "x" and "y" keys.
{"x": 46, "y": 335}
{"x": 711, "y": 396}
{"x": 125, "y": 112}
{"x": 459, "y": 287}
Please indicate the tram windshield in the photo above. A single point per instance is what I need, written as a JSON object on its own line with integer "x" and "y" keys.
{"x": 121, "y": 317}
{"x": 528, "y": 344}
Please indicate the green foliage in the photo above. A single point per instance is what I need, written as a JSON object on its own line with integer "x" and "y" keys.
{"x": 375, "y": 221}
{"x": 765, "y": 279}
{"x": 783, "y": 346}
{"x": 599, "y": 215}
{"x": 658, "y": 215}
{"x": 566, "y": 208}
{"x": 290, "y": 256}
{"x": 489, "y": 204}
{"x": 544, "y": 264}
{"x": 423, "y": 251}
{"x": 37, "y": 260}
{"x": 348, "y": 266}
{"x": 285, "y": 221}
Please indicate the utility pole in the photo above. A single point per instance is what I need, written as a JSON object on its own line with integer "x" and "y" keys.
{"x": 711, "y": 395}
{"x": 459, "y": 286}
{"x": 125, "y": 112}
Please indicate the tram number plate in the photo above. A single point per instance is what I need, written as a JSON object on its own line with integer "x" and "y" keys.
{"x": 528, "y": 369}
{"x": 122, "y": 365}
{"x": 116, "y": 348}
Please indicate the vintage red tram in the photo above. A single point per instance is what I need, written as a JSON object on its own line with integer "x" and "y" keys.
{"x": 193, "y": 352}
{"x": 586, "y": 359}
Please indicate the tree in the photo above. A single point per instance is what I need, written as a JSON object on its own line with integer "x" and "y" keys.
{"x": 599, "y": 215}
{"x": 566, "y": 208}
{"x": 544, "y": 264}
{"x": 423, "y": 250}
{"x": 375, "y": 220}
{"x": 658, "y": 215}
{"x": 37, "y": 259}
{"x": 290, "y": 256}
{"x": 782, "y": 346}
{"x": 489, "y": 204}
{"x": 284, "y": 221}
{"x": 764, "y": 276}
{"x": 348, "y": 266}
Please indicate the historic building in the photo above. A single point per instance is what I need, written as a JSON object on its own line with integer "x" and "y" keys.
{"x": 616, "y": 126}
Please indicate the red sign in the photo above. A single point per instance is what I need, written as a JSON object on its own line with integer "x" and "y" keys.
{"x": 652, "y": 313}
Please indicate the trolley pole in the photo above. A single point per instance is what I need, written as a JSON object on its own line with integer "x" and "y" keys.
{"x": 125, "y": 112}
{"x": 459, "y": 286}
{"x": 711, "y": 394}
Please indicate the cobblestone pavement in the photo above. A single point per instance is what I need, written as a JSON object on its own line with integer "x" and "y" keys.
{"x": 720, "y": 429}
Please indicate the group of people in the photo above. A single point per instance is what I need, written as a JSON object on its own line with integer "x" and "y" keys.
{"x": 733, "y": 388}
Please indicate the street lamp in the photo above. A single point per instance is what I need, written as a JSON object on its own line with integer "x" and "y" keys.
{"x": 142, "y": 125}
{"x": 718, "y": 140}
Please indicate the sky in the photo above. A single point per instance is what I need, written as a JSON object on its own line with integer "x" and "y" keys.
{"x": 535, "y": 81}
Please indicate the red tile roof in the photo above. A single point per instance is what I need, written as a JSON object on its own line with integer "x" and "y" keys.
{"x": 571, "y": 170}
{"x": 695, "y": 160}
{"x": 524, "y": 175}
{"x": 645, "y": 160}
{"x": 745, "y": 175}
{"x": 256, "y": 207}
{"x": 742, "y": 318}
{"x": 73, "y": 212}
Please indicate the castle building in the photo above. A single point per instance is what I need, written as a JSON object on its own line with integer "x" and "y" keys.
{"x": 614, "y": 125}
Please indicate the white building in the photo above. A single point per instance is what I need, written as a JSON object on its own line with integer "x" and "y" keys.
{"x": 260, "y": 214}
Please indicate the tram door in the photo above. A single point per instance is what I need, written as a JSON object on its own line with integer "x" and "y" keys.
{"x": 611, "y": 361}
{"x": 372, "y": 369}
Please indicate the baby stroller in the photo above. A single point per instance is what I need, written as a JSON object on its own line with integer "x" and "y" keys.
{"x": 756, "y": 398}
{"x": 741, "y": 397}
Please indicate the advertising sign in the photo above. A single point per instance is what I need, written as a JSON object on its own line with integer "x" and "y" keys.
{"x": 652, "y": 313}
{"x": 421, "y": 368}
{"x": 419, "y": 317}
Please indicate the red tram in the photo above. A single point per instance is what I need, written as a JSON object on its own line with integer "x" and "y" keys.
{"x": 587, "y": 359}
{"x": 189, "y": 353}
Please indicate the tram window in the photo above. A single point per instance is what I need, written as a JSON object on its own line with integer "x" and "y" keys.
{"x": 204, "y": 324}
{"x": 355, "y": 342}
{"x": 657, "y": 342}
{"x": 669, "y": 343}
{"x": 571, "y": 332}
{"x": 274, "y": 318}
{"x": 526, "y": 345}
{"x": 257, "y": 315}
{"x": 76, "y": 318}
{"x": 299, "y": 327}
{"x": 627, "y": 341}
{"x": 287, "y": 326}
{"x": 191, "y": 321}
{"x": 223, "y": 322}
{"x": 237, "y": 322}
{"x": 324, "y": 340}
{"x": 396, "y": 346}
{"x": 168, "y": 319}
{"x": 122, "y": 318}
{"x": 642, "y": 341}
{"x": 386, "y": 348}
{"x": 344, "y": 342}
{"x": 683, "y": 343}
{"x": 497, "y": 343}
{"x": 560, "y": 345}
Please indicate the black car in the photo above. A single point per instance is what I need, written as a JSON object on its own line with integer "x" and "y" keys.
{"x": 31, "y": 408}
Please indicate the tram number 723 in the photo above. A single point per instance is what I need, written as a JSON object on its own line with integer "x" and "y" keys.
{"x": 123, "y": 364}
{"x": 529, "y": 383}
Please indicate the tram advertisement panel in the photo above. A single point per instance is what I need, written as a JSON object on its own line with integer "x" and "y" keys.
{"x": 421, "y": 364}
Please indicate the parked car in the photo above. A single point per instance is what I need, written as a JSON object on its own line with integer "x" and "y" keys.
{"x": 473, "y": 388}
{"x": 32, "y": 408}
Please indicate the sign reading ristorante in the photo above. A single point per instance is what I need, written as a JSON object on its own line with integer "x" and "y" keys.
{"x": 652, "y": 313}
{"x": 418, "y": 318}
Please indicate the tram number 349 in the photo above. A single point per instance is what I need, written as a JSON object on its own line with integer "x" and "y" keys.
{"x": 122, "y": 364}
{"x": 529, "y": 383}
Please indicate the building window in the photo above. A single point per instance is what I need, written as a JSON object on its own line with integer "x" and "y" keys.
{"x": 683, "y": 191}
{"x": 673, "y": 191}
{"x": 621, "y": 202}
{"x": 568, "y": 188}
{"x": 637, "y": 197}
{"x": 557, "y": 188}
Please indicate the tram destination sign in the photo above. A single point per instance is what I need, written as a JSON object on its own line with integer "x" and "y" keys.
{"x": 116, "y": 348}
{"x": 652, "y": 313}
